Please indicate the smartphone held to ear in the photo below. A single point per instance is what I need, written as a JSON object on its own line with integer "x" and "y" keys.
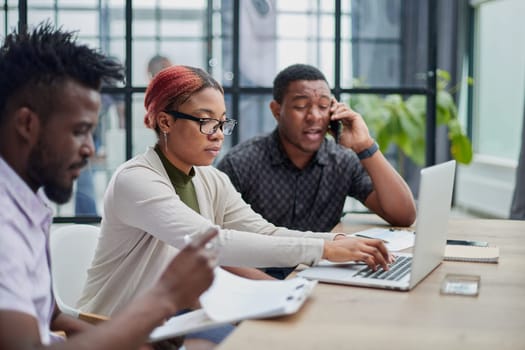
{"x": 335, "y": 127}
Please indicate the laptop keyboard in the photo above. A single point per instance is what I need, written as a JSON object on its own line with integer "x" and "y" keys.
{"x": 399, "y": 269}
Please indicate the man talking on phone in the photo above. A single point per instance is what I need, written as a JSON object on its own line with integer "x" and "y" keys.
{"x": 297, "y": 178}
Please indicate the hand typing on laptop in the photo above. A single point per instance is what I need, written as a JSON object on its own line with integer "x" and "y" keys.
{"x": 370, "y": 251}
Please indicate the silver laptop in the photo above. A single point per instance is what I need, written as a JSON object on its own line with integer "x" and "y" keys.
{"x": 433, "y": 209}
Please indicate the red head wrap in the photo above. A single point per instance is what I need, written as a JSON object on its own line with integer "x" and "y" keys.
{"x": 173, "y": 86}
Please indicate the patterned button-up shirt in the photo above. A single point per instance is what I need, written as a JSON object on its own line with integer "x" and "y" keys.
{"x": 307, "y": 199}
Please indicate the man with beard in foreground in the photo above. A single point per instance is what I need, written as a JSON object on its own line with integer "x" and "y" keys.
{"x": 49, "y": 105}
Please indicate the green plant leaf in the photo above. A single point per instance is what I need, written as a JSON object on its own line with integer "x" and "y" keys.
{"x": 418, "y": 152}
{"x": 413, "y": 124}
{"x": 393, "y": 119}
{"x": 454, "y": 128}
{"x": 461, "y": 149}
{"x": 445, "y": 103}
{"x": 417, "y": 105}
{"x": 393, "y": 99}
{"x": 443, "y": 79}
{"x": 383, "y": 139}
{"x": 443, "y": 74}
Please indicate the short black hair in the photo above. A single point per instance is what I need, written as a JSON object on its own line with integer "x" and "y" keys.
{"x": 293, "y": 73}
{"x": 35, "y": 64}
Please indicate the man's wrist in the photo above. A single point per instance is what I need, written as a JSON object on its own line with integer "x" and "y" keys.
{"x": 368, "y": 152}
{"x": 161, "y": 301}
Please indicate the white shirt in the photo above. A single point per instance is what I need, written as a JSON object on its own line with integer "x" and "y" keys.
{"x": 25, "y": 277}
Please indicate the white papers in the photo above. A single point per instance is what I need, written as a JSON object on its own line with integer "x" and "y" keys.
{"x": 395, "y": 239}
{"x": 179, "y": 325}
{"x": 232, "y": 298}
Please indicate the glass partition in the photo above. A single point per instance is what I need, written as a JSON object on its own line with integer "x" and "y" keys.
{"x": 376, "y": 44}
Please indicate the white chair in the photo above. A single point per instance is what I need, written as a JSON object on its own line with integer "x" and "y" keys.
{"x": 72, "y": 248}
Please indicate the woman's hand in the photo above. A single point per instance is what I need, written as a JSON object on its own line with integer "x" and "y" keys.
{"x": 371, "y": 251}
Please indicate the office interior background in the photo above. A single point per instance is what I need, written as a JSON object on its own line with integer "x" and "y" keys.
{"x": 365, "y": 48}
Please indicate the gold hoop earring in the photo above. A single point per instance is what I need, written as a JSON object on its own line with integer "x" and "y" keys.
{"x": 166, "y": 141}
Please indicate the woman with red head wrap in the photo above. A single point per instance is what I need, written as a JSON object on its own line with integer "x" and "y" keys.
{"x": 156, "y": 198}
{"x": 173, "y": 86}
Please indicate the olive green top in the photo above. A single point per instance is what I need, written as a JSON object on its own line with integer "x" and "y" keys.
{"x": 181, "y": 182}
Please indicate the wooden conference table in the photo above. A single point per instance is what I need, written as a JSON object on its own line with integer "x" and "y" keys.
{"x": 344, "y": 317}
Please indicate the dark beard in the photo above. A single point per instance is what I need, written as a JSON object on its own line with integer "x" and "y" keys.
{"x": 44, "y": 173}
{"x": 57, "y": 194}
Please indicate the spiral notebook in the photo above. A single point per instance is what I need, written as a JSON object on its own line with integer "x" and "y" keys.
{"x": 471, "y": 253}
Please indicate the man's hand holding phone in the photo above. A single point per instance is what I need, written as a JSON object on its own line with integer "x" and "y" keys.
{"x": 353, "y": 132}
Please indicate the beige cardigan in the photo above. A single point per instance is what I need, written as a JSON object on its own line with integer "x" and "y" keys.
{"x": 144, "y": 222}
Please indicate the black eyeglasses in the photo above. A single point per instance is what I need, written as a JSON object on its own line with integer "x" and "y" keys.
{"x": 208, "y": 126}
